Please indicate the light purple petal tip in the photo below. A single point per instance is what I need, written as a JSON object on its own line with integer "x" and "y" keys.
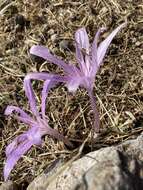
{"x": 101, "y": 51}
{"x": 44, "y": 52}
{"x": 82, "y": 40}
{"x": 94, "y": 66}
{"x": 40, "y": 51}
{"x": 82, "y": 49}
{"x": 9, "y": 110}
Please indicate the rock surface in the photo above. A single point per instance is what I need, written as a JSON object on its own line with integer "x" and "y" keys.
{"x": 118, "y": 168}
{"x": 9, "y": 185}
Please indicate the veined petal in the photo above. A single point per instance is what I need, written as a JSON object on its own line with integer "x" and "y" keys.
{"x": 48, "y": 84}
{"x": 10, "y": 109}
{"x": 101, "y": 51}
{"x": 19, "y": 146}
{"x": 82, "y": 40}
{"x": 94, "y": 67}
{"x": 29, "y": 90}
{"x": 41, "y": 76}
{"x": 13, "y": 145}
{"x": 82, "y": 48}
{"x": 14, "y": 156}
{"x": 43, "y": 52}
{"x": 30, "y": 95}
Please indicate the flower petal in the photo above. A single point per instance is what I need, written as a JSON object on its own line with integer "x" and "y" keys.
{"x": 83, "y": 50}
{"x": 94, "y": 52}
{"x": 43, "y": 52}
{"x": 19, "y": 146}
{"x": 30, "y": 95}
{"x": 13, "y": 145}
{"x": 29, "y": 90}
{"x": 15, "y": 155}
{"x": 51, "y": 80}
{"x": 48, "y": 84}
{"x": 10, "y": 109}
{"x": 82, "y": 40}
{"x": 24, "y": 117}
{"x": 101, "y": 51}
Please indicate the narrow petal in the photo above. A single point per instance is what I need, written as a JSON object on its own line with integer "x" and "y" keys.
{"x": 19, "y": 146}
{"x": 29, "y": 90}
{"x": 23, "y": 116}
{"x": 48, "y": 84}
{"x": 101, "y": 51}
{"x": 94, "y": 67}
{"x": 43, "y": 52}
{"x": 82, "y": 48}
{"x": 82, "y": 40}
{"x": 14, "y": 156}
{"x": 39, "y": 76}
{"x": 13, "y": 145}
{"x": 10, "y": 109}
{"x": 30, "y": 95}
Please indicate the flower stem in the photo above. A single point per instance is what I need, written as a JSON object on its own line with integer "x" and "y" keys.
{"x": 96, "y": 123}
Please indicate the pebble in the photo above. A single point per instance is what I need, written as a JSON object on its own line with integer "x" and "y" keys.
{"x": 138, "y": 43}
{"x": 54, "y": 37}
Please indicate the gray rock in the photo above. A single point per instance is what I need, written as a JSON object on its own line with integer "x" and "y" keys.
{"x": 113, "y": 173}
{"x": 118, "y": 168}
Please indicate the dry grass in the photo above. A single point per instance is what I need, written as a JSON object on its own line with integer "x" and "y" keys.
{"x": 118, "y": 87}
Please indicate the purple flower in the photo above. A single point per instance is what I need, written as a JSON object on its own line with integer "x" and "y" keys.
{"x": 89, "y": 58}
{"x": 38, "y": 126}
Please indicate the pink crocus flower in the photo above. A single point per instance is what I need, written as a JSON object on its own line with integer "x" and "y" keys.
{"x": 38, "y": 127}
{"x": 89, "y": 58}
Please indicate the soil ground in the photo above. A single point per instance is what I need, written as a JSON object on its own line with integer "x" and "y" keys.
{"x": 118, "y": 87}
